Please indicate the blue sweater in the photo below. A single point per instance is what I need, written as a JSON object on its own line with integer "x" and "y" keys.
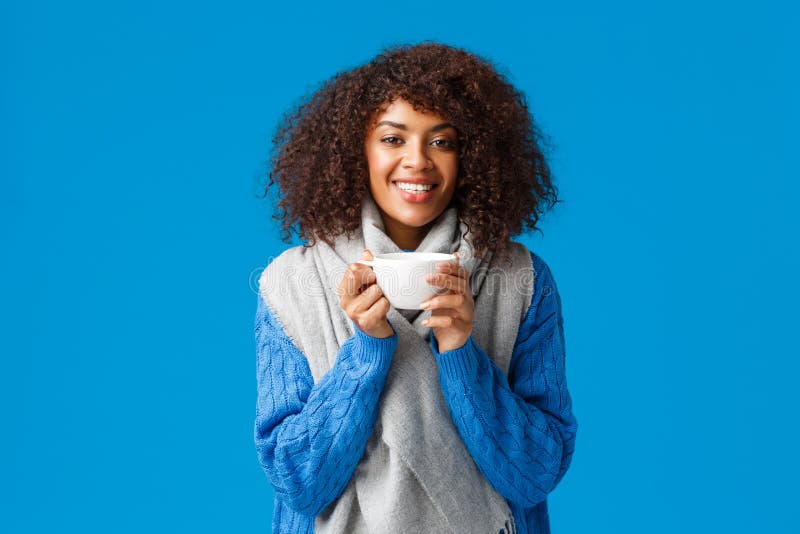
{"x": 310, "y": 437}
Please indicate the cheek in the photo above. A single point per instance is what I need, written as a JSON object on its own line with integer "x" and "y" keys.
{"x": 448, "y": 166}
{"x": 379, "y": 161}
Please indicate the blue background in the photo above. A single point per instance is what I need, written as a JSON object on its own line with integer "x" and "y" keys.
{"x": 134, "y": 137}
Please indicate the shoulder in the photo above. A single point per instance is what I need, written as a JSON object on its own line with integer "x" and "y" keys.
{"x": 543, "y": 276}
{"x": 545, "y": 302}
{"x": 284, "y": 289}
{"x": 527, "y": 266}
{"x": 519, "y": 254}
{"x": 526, "y": 261}
{"x": 284, "y": 272}
{"x": 513, "y": 272}
{"x": 511, "y": 278}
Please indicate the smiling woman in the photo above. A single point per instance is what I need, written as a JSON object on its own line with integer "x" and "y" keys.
{"x": 413, "y": 166}
{"x": 455, "y": 417}
{"x": 503, "y": 182}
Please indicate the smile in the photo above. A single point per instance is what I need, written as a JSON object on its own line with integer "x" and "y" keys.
{"x": 414, "y": 188}
{"x": 416, "y": 193}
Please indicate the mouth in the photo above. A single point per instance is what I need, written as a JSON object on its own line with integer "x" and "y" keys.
{"x": 414, "y": 192}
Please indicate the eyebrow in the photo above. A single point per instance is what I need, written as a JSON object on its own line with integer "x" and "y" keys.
{"x": 400, "y": 126}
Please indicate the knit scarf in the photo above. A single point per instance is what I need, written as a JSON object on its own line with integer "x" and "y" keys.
{"x": 416, "y": 474}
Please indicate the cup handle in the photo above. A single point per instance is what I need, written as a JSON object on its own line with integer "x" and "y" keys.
{"x": 369, "y": 263}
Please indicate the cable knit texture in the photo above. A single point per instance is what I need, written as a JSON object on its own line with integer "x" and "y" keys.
{"x": 309, "y": 439}
{"x": 519, "y": 429}
{"x": 509, "y": 424}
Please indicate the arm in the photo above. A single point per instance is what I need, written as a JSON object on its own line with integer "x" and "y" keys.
{"x": 521, "y": 430}
{"x": 310, "y": 437}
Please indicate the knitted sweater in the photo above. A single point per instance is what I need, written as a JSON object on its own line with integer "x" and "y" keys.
{"x": 519, "y": 429}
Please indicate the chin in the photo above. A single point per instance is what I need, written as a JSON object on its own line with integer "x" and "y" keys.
{"x": 418, "y": 220}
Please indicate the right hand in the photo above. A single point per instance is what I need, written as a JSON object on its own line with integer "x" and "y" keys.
{"x": 362, "y": 299}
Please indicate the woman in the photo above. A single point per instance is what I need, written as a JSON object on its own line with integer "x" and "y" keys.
{"x": 455, "y": 418}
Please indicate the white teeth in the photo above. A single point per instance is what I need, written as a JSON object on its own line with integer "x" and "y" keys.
{"x": 414, "y": 187}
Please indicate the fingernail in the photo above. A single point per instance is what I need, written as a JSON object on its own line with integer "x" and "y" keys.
{"x": 425, "y": 322}
{"x": 424, "y": 305}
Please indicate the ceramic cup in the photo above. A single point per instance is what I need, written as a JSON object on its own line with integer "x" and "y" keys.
{"x": 401, "y": 276}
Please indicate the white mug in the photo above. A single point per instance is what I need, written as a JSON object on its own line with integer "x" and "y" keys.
{"x": 401, "y": 276}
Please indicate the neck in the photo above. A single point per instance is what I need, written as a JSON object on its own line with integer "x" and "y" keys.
{"x": 405, "y": 237}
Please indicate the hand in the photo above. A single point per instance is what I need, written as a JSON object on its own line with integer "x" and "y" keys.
{"x": 362, "y": 299}
{"x": 452, "y": 313}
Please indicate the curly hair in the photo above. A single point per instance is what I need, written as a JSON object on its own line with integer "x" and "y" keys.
{"x": 318, "y": 161}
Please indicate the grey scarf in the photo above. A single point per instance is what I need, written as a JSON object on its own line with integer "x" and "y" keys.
{"x": 416, "y": 475}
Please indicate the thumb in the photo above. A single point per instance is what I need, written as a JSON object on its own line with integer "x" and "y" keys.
{"x": 366, "y": 254}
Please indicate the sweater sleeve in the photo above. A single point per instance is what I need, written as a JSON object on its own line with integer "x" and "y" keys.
{"x": 519, "y": 430}
{"x": 310, "y": 437}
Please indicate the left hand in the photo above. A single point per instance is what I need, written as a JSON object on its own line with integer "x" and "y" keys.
{"x": 452, "y": 313}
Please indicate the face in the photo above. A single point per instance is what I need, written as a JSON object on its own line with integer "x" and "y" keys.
{"x": 413, "y": 164}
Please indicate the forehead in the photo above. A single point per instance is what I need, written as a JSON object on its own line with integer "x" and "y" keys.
{"x": 401, "y": 111}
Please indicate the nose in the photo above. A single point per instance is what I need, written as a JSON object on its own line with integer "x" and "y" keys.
{"x": 416, "y": 156}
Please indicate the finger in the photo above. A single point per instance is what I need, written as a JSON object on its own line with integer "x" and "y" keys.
{"x": 364, "y": 278}
{"x": 375, "y": 314}
{"x": 363, "y": 274}
{"x": 454, "y": 301}
{"x": 446, "y": 312}
{"x": 442, "y": 321}
{"x": 448, "y": 281}
{"x": 347, "y": 285}
{"x": 366, "y": 299}
{"x": 380, "y": 308}
{"x": 365, "y": 271}
{"x": 457, "y": 263}
{"x": 449, "y": 267}
{"x": 355, "y": 280}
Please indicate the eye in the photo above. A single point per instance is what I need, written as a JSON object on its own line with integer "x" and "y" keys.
{"x": 444, "y": 143}
{"x": 390, "y": 139}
